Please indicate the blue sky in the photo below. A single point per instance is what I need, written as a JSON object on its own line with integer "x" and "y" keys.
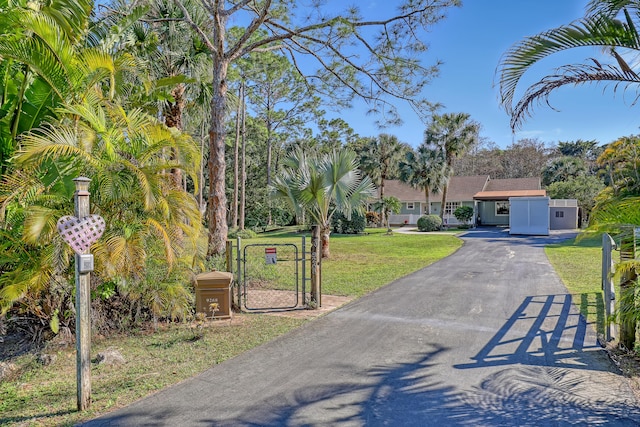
{"x": 471, "y": 41}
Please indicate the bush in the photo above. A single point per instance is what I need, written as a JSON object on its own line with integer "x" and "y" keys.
{"x": 464, "y": 214}
{"x": 429, "y": 223}
{"x": 243, "y": 234}
{"x": 373, "y": 218}
{"x": 341, "y": 225}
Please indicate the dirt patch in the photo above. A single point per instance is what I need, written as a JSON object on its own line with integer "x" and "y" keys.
{"x": 328, "y": 304}
{"x": 629, "y": 364}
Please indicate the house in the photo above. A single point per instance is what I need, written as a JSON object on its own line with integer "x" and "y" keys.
{"x": 460, "y": 193}
{"x": 490, "y": 198}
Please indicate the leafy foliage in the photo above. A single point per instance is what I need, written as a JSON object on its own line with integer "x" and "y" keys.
{"x": 429, "y": 223}
{"x": 322, "y": 186}
{"x": 464, "y": 214}
{"x": 355, "y": 225}
{"x": 599, "y": 28}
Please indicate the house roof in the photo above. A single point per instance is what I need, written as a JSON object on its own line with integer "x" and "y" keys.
{"x": 504, "y": 195}
{"x": 461, "y": 188}
{"x": 402, "y": 191}
{"x": 512, "y": 184}
{"x": 466, "y": 188}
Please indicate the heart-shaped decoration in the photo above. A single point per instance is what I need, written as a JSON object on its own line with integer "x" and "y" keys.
{"x": 81, "y": 233}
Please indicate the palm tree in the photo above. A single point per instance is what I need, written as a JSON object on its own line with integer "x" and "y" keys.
{"x": 563, "y": 169}
{"x": 35, "y": 63}
{"x": 599, "y": 28}
{"x": 177, "y": 66}
{"x": 380, "y": 159}
{"x": 146, "y": 216}
{"x": 424, "y": 169}
{"x": 388, "y": 205}
{"x": 322, "y": 186}
{"x": 453, "y": 134}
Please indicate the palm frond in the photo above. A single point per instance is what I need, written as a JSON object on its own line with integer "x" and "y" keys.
{"x": 571, "y": 75}
{"x": 594, "y": 31}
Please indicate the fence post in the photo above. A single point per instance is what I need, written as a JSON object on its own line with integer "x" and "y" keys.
{"x": 304, "y": 271}
{"x": 239, "y": 273}
{"x": 83, "y": 305}
{"x": 608, "y": 245}
{"x": 315, "y": 266}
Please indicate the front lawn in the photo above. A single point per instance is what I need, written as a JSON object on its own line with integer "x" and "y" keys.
{"x": 578, "y": 263}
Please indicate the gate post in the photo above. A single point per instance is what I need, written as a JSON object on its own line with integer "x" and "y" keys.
{"x": 239, "y": 274}
{"x": 315, "y": 266}
{"x": 608, "y": 245}
{"x": 304, "y": 271}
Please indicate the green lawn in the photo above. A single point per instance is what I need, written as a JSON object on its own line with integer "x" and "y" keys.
{"x": 579, "y": 263}
{"x": 46, "y": 395}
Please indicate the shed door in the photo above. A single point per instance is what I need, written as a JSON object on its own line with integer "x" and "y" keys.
{"x": 529, "y": 215}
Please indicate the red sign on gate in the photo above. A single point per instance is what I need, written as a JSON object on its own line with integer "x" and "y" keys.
{"x": 270, "y": 256}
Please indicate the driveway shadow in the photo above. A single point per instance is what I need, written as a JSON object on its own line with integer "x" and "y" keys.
{"x": 545, "y": 330}
{"x": 499, "y": 234}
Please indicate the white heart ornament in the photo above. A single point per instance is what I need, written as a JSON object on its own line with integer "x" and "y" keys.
{"x": 81, "y": 233}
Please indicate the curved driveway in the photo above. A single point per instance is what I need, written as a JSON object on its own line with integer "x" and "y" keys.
{"x": 486, "y": 337}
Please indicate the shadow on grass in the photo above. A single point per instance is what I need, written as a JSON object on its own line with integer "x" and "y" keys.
{"x": 6, "y": 421}
{"x": 593, "y": 304}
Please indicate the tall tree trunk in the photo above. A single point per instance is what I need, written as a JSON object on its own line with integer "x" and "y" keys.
{"x": 444, "y": 201}
{"x": 173, "y": 119}
{"x": 325, "y": 231}
{"x": 382, "y": 215}
{"x": 200, "y": 195}
{"x": 217, "y": 203}
{"x": 243, "y": 171}
{"x": 269, "y": 157}
{"x": 426, "y": 198}
{"x": 234, "y": 209}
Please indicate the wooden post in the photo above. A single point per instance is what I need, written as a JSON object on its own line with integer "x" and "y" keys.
{"x": 83, "y": 305}
{"x": 315, "y": 266}
{"x": 608, "y": 245}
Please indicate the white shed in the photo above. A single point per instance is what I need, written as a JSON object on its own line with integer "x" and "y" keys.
{"x": 529, "y": 215}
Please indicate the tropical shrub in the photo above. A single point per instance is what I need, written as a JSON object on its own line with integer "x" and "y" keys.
{"x": 464, "y": 214}
{"x": 429, "y": 223}
{"x": 153, "y": 235}
{"x": 340, "y": 224}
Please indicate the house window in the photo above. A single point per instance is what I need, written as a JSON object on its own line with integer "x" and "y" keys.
{"x": 410, "y": 206}
{"x": 559, "y": 214}
{"x": 451, "y": 207}
{"x": 502, "y": 208}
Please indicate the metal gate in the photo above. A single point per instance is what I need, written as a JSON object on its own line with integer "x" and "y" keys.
{"x": 271, "y": 277}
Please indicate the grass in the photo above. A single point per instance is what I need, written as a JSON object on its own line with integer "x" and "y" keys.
{"x": 46, "y": 395}
{"x": 579, "y": 263}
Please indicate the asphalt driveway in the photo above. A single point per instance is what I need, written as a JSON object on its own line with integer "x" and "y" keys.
{"x": 486, "y": 337}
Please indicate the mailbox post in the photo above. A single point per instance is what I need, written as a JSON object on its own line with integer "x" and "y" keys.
{"x": 84, "y": 262}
